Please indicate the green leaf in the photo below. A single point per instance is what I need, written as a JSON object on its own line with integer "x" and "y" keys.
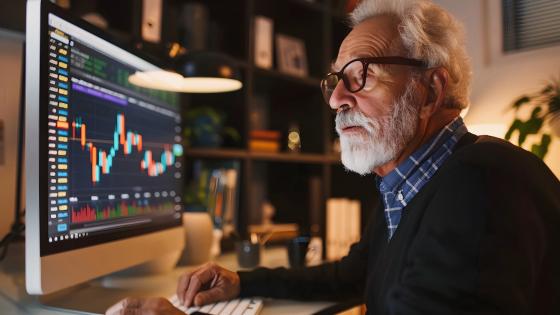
{"x": 514, "y": 126}
{"x": 541, "y": 149}
{"x": 535, "y": 112}
{"x": 520, "y": 101}
{"x": 531, "y": 126}
{"x": 545, "y": 103}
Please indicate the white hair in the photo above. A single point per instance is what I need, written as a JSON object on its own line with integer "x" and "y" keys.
{"x": 431, "y": 34}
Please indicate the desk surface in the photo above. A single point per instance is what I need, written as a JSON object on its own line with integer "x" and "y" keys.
{"x": 15, "y": 300}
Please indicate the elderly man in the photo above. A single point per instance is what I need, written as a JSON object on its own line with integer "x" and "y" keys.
{"x": 465, "y": 225}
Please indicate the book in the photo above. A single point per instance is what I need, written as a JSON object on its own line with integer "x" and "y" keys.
{"x": 343, "y": 226}
{"x": 263, "y": 41}
{"x": 264, "y": 146}
{"x": 331, "y": 249}
{"x": 265, "y": 135}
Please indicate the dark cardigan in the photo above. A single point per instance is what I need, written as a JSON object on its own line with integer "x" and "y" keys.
{"x": 482, "y": 237}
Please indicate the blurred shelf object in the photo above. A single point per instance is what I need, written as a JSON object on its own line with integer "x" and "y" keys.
{"x": 273, "y": 232}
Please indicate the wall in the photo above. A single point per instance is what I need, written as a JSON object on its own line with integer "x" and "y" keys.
{"x": 498, "y": 78}
{"x": 10, "y": 63}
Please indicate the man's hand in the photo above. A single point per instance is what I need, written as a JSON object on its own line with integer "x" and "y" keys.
{"x": 148, "y": 306}
{"x": 208, "y": 284}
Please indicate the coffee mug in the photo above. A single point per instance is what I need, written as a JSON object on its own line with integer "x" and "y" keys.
{"x": 297, "y": 251}
{"x": 248, "y": 253}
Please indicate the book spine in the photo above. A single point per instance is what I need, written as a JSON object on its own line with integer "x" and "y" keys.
{"x": 263, "y": 42}
{"x": 264, "y": 146}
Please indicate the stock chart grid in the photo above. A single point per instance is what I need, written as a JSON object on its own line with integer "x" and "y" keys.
{"x": 114, "y": 149}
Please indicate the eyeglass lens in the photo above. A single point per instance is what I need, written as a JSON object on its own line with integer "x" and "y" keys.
{"x": 352, "y": 76}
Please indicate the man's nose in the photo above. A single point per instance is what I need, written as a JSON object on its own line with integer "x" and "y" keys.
{"x": 341, "y": 98}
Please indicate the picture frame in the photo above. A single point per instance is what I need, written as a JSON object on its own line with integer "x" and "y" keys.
{"x": 291, "y": 55}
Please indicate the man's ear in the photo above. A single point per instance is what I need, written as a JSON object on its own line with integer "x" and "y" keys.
{"x": 437, "y": 89}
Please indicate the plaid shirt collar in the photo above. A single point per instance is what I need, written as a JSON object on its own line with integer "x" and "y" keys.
{"x": 401, "y": 185}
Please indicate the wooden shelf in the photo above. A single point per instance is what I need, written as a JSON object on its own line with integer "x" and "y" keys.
{"x": 311, "y": 158}
{"x": 216, "y": 153}
{"x": 315, "y": 5}
{"x": 291, "y": 157}
{"x": 275, "y": 74}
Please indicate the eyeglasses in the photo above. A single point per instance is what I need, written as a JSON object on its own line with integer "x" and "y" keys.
{"x": 355, "y": 73}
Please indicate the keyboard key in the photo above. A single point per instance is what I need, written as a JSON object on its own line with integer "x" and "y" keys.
{"x": 206, "y": 308}
{"x": 231, "y": 305}
{"x": 217, "y": 309}
{"x": 241, "y": 307}
{"x": 254, "y": 307}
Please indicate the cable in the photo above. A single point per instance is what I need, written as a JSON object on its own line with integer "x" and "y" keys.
{"x": 15, "y": 234}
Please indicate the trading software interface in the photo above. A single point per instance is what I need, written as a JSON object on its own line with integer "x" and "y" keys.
{"x": 113, "y": 148}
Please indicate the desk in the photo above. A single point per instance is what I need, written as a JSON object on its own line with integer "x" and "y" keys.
{"x": 14, "y": 299}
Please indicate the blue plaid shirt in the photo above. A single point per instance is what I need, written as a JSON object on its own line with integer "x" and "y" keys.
{"x": 404, "y": 182}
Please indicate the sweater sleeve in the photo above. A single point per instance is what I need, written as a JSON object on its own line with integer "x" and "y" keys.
{"x": 477, "y": 251}
{"x": 338, "y": 280}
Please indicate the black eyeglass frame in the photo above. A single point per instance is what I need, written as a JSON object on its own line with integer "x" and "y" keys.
{"x": 366, "y": 61}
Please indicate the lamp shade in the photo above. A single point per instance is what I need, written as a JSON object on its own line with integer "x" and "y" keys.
{"x": 196, "y": 72}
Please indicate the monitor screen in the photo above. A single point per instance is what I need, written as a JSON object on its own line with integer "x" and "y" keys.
{"x": 111, "y": 150}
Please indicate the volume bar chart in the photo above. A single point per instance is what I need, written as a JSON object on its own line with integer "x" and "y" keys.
{"x": 122, "y": 209}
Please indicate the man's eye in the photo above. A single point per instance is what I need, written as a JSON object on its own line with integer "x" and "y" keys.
{"x": 371, "y": 81}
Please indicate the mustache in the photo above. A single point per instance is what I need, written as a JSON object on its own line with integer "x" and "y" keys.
{"x": 354, "y": 118}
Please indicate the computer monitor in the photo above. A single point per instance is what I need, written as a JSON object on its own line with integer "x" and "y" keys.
{"x": 103, "y": 157}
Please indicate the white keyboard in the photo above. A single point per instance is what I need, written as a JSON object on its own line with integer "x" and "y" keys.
{"x": 246, "y": 306}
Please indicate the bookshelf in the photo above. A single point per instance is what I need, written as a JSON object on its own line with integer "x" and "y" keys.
{"x": 283, "y": 178}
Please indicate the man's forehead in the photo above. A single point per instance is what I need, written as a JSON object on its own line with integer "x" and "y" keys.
{"x": 341, "y": 61}
{"x": 373, "y": 37}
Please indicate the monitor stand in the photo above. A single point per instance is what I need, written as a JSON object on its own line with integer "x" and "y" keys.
{"x": 153, "y": 279}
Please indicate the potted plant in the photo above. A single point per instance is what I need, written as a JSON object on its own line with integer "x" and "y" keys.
{"x": 204, "y": 128}
{"x": 545, "y": 109}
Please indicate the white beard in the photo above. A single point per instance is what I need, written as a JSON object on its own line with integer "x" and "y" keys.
{"x": 386, "y": 136}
